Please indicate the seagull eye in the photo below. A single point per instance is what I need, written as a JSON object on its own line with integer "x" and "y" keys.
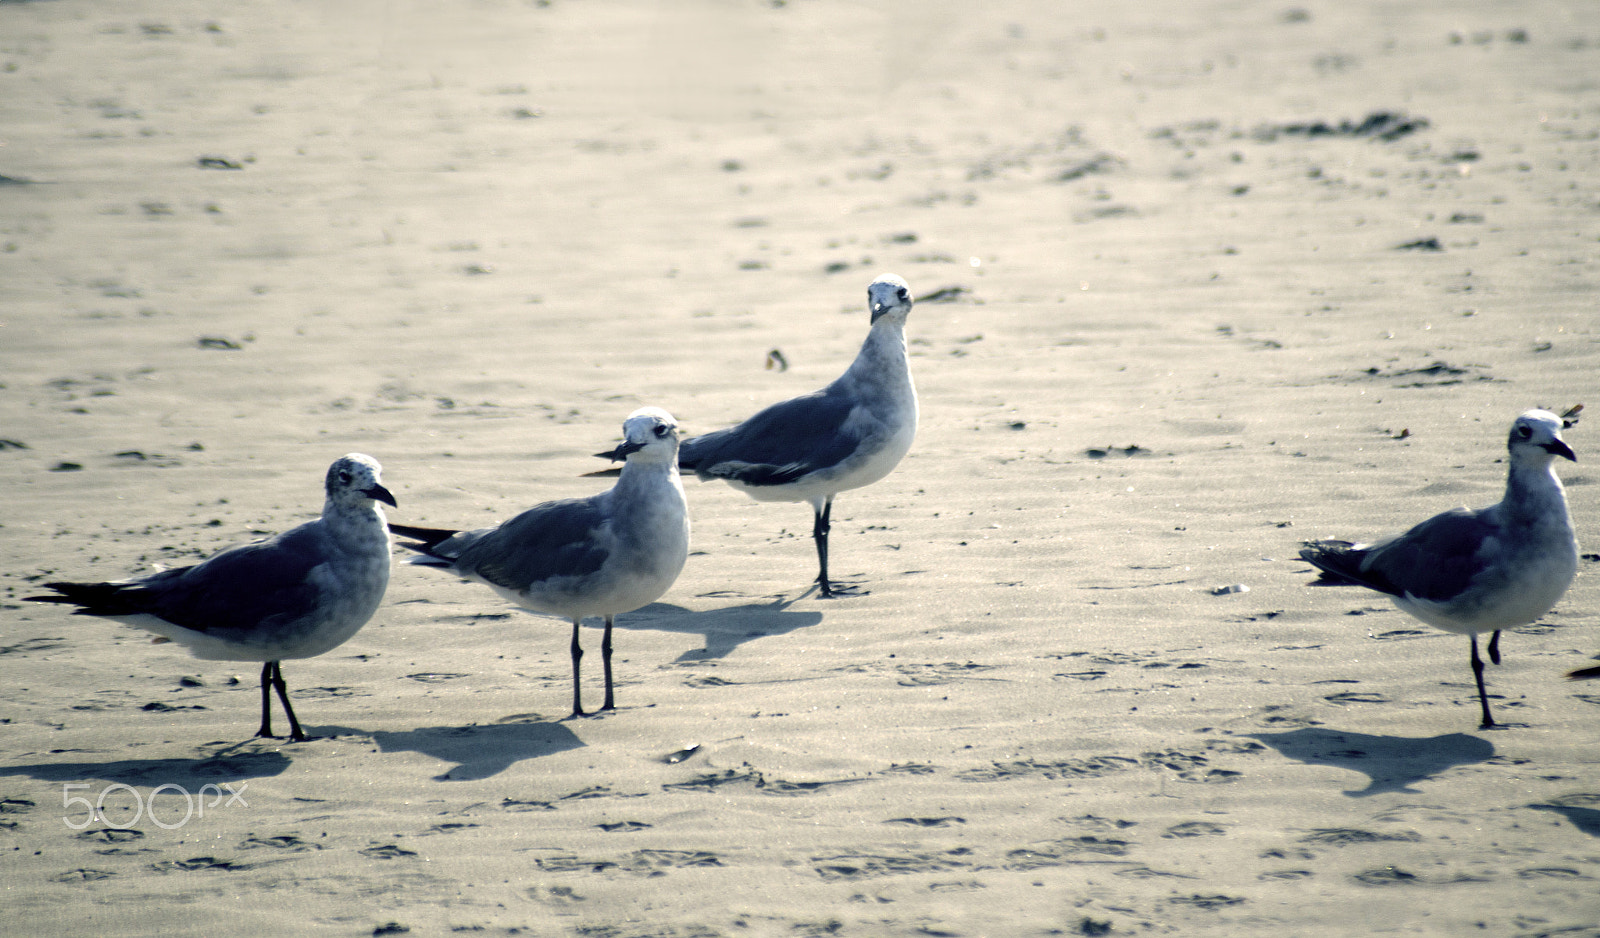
{"x": 662, "y": 429}
{"x": 903, "y": 294}
{"x": 344, "y": 476}
{"x": 1524, "y": 432}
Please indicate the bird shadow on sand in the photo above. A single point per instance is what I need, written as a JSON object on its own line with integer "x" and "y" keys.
{"x": 721, "y": 630}
{"x": 478, "y": 751}
{"x": 191, "y": 773}
{"x": 1391, "y": 763}
{"x": 1581, "y": 811}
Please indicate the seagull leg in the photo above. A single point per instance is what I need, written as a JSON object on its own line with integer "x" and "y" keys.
{"x": 819, "y": 533}
{"x": 826, "y": 588}
{"x": 1477, "y": 672}
{"x": 605, "y": 660}
{"x": 296, "y": 734}
{"x": 272, "y": 679}
{"x": 1494, "y": 647}
{"x": 577, "y": 689}
{"x": 266, "y": 701}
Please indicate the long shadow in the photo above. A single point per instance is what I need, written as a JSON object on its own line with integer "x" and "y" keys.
{"x": 1584, "y": 819}
{"x": 1391, "y": 763}
{"x": 721, "y": 630}
{"x": 192, "y": 773}
{"x": 478, "y": 750}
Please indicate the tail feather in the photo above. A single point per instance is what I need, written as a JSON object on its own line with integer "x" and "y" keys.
{"x": 1338, "y": 563}
{"x": 427, "y": 560}
{"x": 94, "y": 599}
{"x": 613, "y": 472}
{"x": 429, "y": 537}
{"x": 424, "y": 540}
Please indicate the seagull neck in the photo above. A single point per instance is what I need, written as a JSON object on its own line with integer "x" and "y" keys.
{"x": 355, "y": 522}
{"x": 637, "y": 472}
{"x": 1533, "y": 490}
{"x": 648, "y": 487}
{"x": 882, "y": 358}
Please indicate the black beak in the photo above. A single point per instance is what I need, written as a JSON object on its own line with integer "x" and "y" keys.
{"x": 1559, "y": 448}
{"x": 380, "y": 494}
{"x": 622, "y": 451}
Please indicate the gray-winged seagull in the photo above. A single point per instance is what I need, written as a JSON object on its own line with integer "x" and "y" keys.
{"x": 1469, "y": 571}
{"x": 296, "y": 595}
{"x": 598, "y": 556}
{"x": 844, "y": 436}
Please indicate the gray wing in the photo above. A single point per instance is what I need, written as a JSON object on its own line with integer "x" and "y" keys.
{"x": 567, "y": 538}
{"x": 1437, "y": 560}
{"x": 241, "y": 589}
{"x": 778, "y": 445}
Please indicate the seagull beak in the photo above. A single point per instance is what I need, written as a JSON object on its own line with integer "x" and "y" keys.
{"x": 380, "y": 494}
{"x": 622, "y": 451}
{"x": 1559, "y": 448}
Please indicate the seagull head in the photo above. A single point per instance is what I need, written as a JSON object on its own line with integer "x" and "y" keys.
{"x": 889, "y": 294}
{"x": 1538, "y": 433}
{"x": 649, "y": 431}
{"x": 357, "y": 478}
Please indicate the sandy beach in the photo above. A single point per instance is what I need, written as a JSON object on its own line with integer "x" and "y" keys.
{"x": 1197, "y": 281}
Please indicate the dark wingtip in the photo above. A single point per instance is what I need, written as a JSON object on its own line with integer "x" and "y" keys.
{"x": 621, "y": 452}
{"x": 1583, "y": 674}
{"x": 426, "y": 538}
{"x": 1326, "y": 557}
{"x": 94, "y": 598}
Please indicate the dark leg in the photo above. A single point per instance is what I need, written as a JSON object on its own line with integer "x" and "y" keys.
{"x": 826, "y": 588}
{"x": 296, "y": 734}
{"x": 1483, "y": 696}
{"x": 605, "y": 659}
{"x": 1494, "y": 647}
{"x": 819, "y": 533}
{"x": 577, "y": 656}
{"x": 266, "y": 701}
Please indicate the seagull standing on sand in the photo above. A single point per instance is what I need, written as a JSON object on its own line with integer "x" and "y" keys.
{"x": 598, "y": 556}
{"x": 844, "y": 436}
{"x": 1470, "y": 571}
{"x": 296, "y": 595}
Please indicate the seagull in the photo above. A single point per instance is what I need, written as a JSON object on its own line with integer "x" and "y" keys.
{"x": 1484, "y": 570}
{"x": 849, "y": 434}
{"x": 296, "y": 595}
{"x": 598, "y": 556}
